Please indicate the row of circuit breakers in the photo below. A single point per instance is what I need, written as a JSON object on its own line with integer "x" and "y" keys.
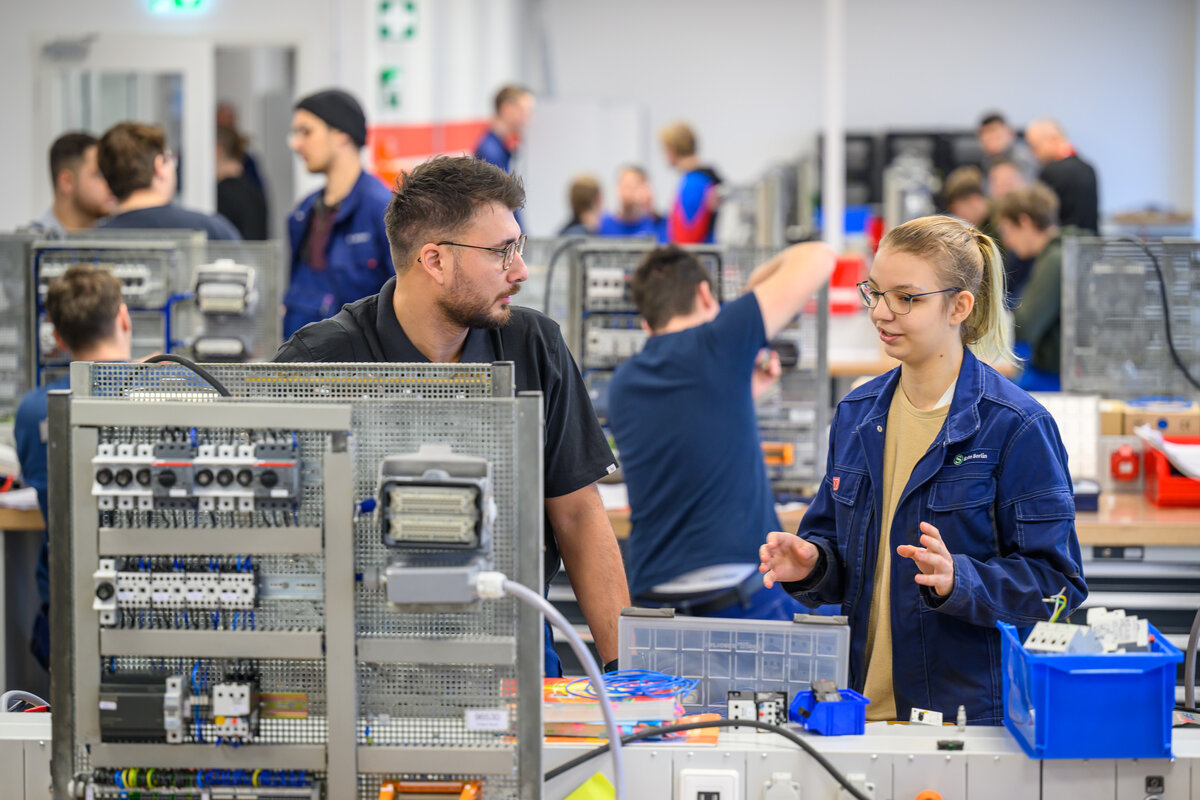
{"x": 435, "y": 507}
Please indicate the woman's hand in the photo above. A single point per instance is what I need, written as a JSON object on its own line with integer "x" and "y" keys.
{"x": 933, "y": 560}
{"x": 786, "y": 557}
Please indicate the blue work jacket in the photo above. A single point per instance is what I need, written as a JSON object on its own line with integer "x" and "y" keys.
{"x": 358, "y": 262}
{"x": 995, "y": 484}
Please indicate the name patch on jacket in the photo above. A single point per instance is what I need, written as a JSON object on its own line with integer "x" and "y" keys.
{"x": 358, "y": 238}
{"x": 973, "y": 457}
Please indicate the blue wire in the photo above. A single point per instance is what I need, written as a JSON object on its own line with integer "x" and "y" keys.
{"x": 251, "y": 620}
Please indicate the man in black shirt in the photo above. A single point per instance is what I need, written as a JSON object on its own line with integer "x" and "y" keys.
{"x": 1072, "y": 179}
{"x": 239, "y": 199}
{"x": 457, "y": 249}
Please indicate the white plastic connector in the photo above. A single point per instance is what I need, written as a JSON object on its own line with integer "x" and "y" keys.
{"x": 489, "y": 585}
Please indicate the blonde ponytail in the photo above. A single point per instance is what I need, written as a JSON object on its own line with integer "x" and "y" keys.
{"x": 988, "y": 323}
{"x": 969, "y": 259}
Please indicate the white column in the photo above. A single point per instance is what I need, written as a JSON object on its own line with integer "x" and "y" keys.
{"x": 1196, "y": 129}
{"x": 833, "y": 181}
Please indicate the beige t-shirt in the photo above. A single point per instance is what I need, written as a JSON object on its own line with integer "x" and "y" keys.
{"x": 910, "y": 431}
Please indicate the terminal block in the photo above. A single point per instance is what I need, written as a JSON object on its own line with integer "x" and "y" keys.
{"x": 435, "y": 499}
{"x": 144, "y": 590}
{"x": 1059, "y": 637}
{"x": 136, "y": 280}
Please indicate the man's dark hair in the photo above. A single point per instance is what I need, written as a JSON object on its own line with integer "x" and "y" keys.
{"x": 126, "y": 156}
{"x": 509, "y": 93}
{"x": 83, "y": 304}
{"x": 440, "y": 197}
{"x": 67, "y": 152}
{"x": 1038, "y": 202}
{"x": 664, "y": 285}
{"x": 990, "y": 117}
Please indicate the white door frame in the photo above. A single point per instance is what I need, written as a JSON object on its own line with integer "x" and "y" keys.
{"x": 192, "y": 58}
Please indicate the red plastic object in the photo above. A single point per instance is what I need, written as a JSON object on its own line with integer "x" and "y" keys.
{"x": 843, "y": 286}
{"x": 1165, "y": 486}
{"x": 1124, "y": 464}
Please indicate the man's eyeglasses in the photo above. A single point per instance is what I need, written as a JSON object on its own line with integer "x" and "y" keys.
{"x": 510, "y": 251}
{"x": 899, "y": 302}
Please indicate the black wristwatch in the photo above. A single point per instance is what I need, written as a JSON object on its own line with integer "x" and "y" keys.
{"x": 611, "y": 666}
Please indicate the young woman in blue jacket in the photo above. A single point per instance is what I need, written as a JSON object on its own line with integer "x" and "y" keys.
{"x": 963, "y": 473}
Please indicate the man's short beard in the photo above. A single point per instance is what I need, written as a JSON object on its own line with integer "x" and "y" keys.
{"x": 471, "y": 313}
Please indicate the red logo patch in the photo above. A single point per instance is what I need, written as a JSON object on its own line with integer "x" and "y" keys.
{"x": 836, "y": 481}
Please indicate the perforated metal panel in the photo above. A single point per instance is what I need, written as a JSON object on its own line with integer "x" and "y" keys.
{"x": 1114, "y": 339}
{"x": 793, "y": 416}
{"x": 401, "y": 696}
{"x": 16, "y": 372}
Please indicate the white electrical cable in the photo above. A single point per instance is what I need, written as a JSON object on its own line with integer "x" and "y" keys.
{"x": 494, "y": 585}
{"x": 17, "y": 694}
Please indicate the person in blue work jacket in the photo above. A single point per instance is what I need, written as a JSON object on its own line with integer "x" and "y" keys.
{"x": 340, "y": 251}
{"x": 92, "y": 323}
{"x": 513, "y": 107}
{"x": 946, "y": 504}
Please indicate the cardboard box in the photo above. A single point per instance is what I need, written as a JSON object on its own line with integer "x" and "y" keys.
{"x": 1177, "y": 419}
{"x": 1112, "y": 418}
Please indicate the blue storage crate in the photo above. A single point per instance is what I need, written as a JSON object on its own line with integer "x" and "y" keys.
{"x": 847, "y": 718}
{"x": 1092, "y": 705}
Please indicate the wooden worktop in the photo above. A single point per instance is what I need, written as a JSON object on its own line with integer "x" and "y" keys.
{"x": 1122, "y": 520}
{"x": 14, "y": 520}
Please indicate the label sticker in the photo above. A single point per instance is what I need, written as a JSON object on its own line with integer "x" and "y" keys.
{"x": 108, "y": 705}
{"x": 836, "y": 482}
{"x": 486, "y": 719}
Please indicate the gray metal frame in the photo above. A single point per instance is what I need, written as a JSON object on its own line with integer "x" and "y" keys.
{"x": 261, "y": 402}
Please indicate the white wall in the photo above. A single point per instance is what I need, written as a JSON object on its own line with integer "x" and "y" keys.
{"x": 315, "y": 27}
{"x": 1119, "y": 74}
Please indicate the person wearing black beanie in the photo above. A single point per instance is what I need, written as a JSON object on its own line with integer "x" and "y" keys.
{"x": 340, "y": 251}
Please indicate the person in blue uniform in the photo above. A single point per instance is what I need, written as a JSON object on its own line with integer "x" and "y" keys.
{"x": 339, "y": 246}
{"x": 682, "y": 412}
{"x": 946, "y": 505}
{"x": 92, "y": 323}
{"x": 693, "y": 217}
{"x": 635, "y": 207}
{"x": 513, "y": 109}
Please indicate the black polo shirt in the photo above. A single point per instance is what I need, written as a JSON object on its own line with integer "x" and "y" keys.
{"x": 575, "y": 451}
{"x": 1074, "y": 181}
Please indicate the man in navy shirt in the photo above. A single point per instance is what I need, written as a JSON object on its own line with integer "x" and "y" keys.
{"x": 140, "y": 170}
{"x": 340, "y": 250}
{"x": 682, "y": 411}
{"x": 514, "y": 107}
{"x": 91, "y": 322}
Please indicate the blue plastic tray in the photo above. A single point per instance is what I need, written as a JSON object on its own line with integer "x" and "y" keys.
{"x": 1094, "y": 705}
{"x": 849, "y": 717}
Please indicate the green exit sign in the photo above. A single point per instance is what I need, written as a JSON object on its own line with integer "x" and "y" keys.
{"x": 179, "y": 6}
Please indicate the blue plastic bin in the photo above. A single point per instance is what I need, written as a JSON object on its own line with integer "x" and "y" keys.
{"x": 1094, "y": 705}
{"x": 847, "y": 718}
